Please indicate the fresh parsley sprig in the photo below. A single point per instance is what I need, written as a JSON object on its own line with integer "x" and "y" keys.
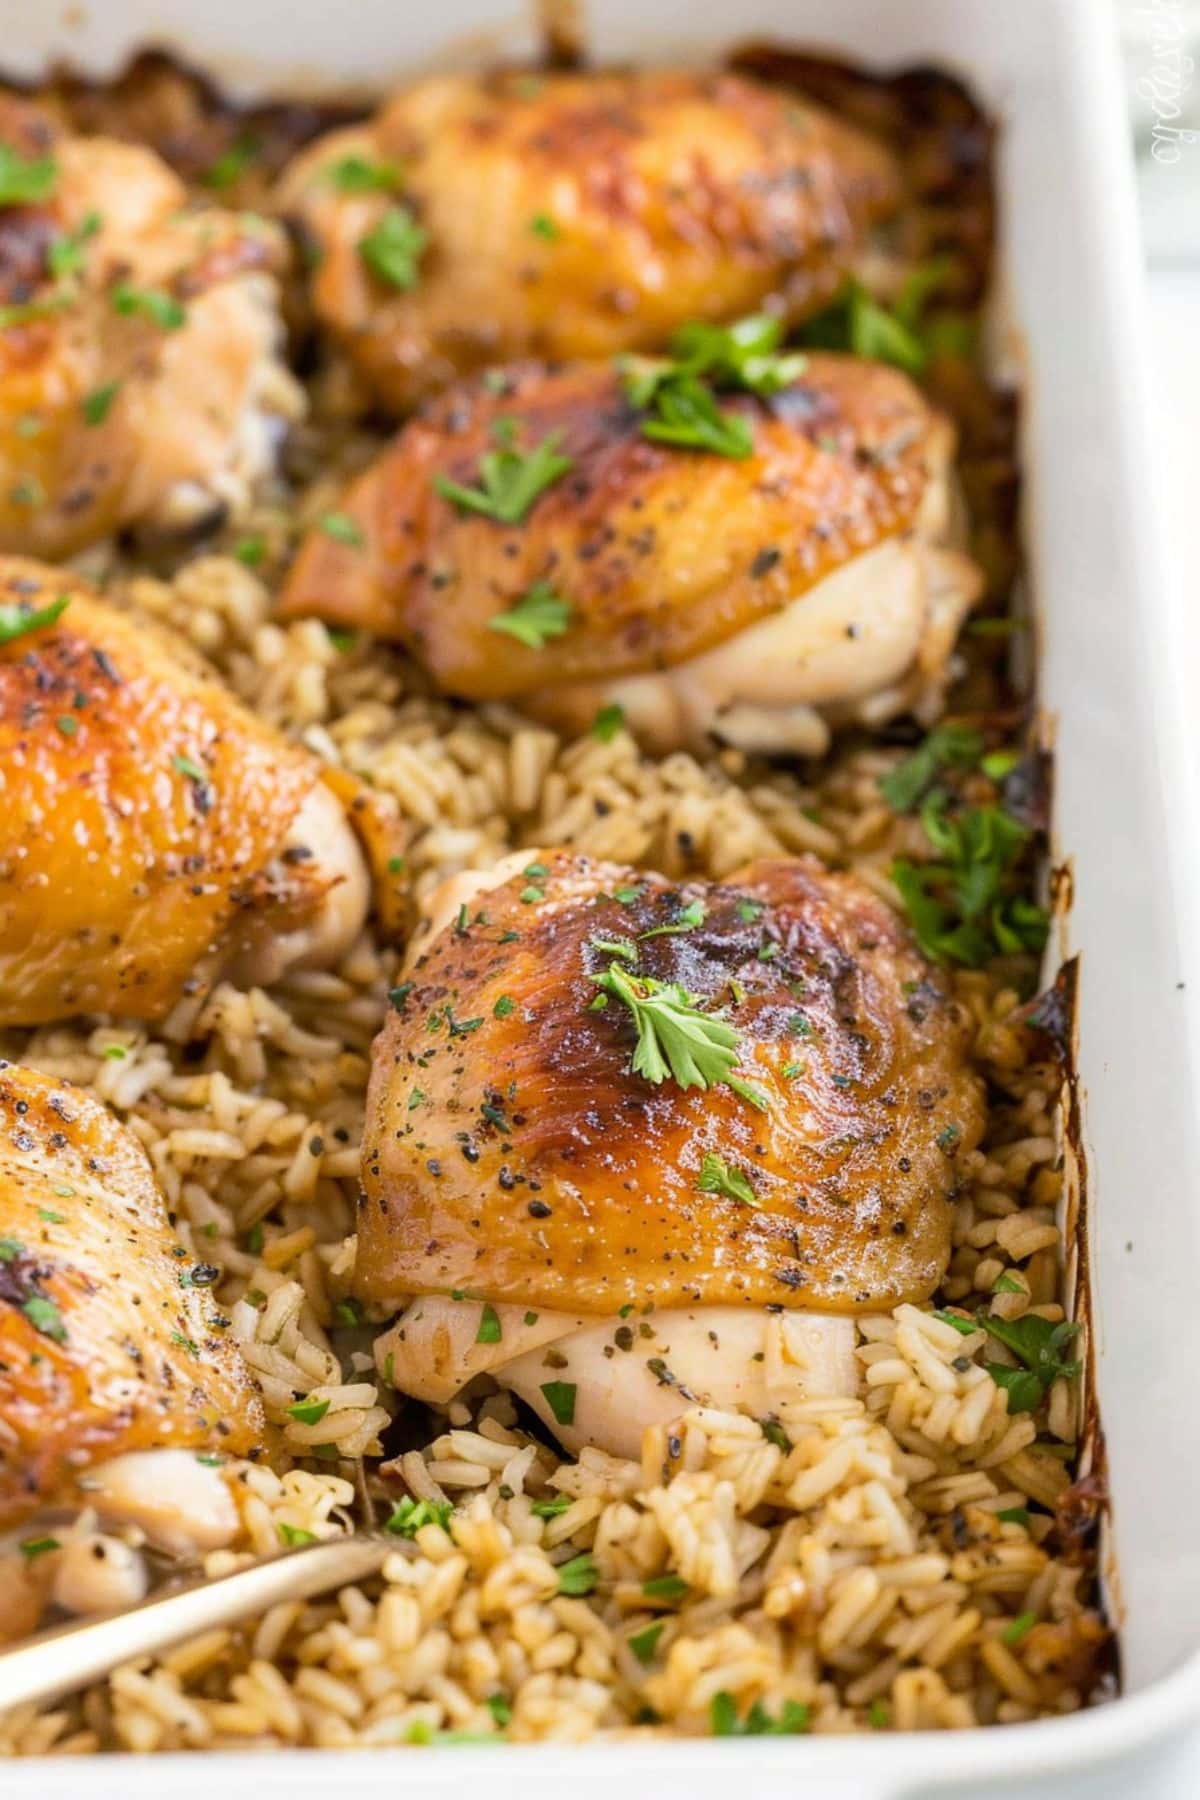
{"x": 356, "y": 174}
{"x": 946, "y": 746}
{"x": 678, "y": 391}
{"x": 686, "y": 415}
{"x": 536, "y": 617}
{"x": 392, "y": 249}
{"x": 1035, "y": 1342}
{"x": 964, "y": 904}
{"x": 958, "y": 906}
{"x": 674, "y": 1037}
{"x": 725, "y": 1721}
{"x": 25, "y": 180}
{"x": 898, "y": 335}
{"x": 510, "y": 480}
{"x": 15, "y": 621}
{"x": 409, "y": 1515}
{"x": 1038, "y": 1345}
{"x": 720, "y": 1177}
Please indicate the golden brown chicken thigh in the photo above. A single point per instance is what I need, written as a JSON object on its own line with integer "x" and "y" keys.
{"x": 481, "y": 218}
{"x": 140, "y": 380}
{"x": 152, "y": 832}
{"x": 764, "y": 598}
{"x": 620, "y": 1115}
{"x": 113, "y": 1355}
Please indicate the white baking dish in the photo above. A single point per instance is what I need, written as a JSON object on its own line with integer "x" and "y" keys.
{"x": 1049, "y": 68}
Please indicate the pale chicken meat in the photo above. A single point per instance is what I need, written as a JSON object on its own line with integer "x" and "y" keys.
{"x": 153, "y": 833}
{"x": 631, "y": 1144}
{"x": 117, "y": 1368}
{"x": 480, "y": 218}
{"x": 762, "y": 599}
{"x": 141, "y": 375}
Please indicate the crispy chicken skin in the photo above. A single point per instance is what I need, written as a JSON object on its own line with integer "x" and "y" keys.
{"x": 512, "y": 1151}
{"x": 762, "y": 599}
{"x": 581, "y": 214}
{"x": 140, "y": 383}
{"x": 108, "y": 1340}
{"x": 151, "y": 830}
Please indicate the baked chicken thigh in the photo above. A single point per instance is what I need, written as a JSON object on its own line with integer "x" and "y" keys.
{"x": 763, "y": 597}
{"x": 656, "y": 1140}
{"x": 153, "y": 833}
{"x": 480, "y": 218}
{"x": 113, "y": 1357}
{"x": 140, "y": 374}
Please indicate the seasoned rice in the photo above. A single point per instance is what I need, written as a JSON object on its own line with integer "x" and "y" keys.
{"x": 857, "y": 1564}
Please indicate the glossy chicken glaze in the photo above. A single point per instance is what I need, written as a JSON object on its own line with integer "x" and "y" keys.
{"x": 109, "y": 1338}
{"x": 582, "y": 214}
{"x": 113, "y": 414}
{"x": 662, "y": 554}
{"x": 511, "y": 1152}
{"x": 140, "y": 809}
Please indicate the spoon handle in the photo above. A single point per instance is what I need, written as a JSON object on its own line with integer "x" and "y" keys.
{"x": 69, "y": 1656}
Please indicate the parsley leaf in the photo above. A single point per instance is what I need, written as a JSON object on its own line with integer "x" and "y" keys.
{"x": 23, "y": 312}
{"x": 689, "y": 418}
{"x": 498, "y": 1705}
{"x": 342, "y": 528}
{"x": 359, "y": 175}
{"x": 947, "y": 746}
{"x": 645, "y": 1643}
{"x": 957, "y": 905}
{"x": 232, "y": 164}
{"x": 607, "y": 722}
{"x": 309, "y": 1412}
{"x": 510, "y": 480}
{"x": 665, "y": 1587}
{"x": 32, "y": 1548}
{"x": 96, "y": 405}
{"x": 409, "y": 1515}
{"x": 551, "y": 1509}
{"x": 45, "y": 1317}
{"x": 1037, "y": 1343}
{"x": 725, "y": 1722}
{"x": 164, "y": 309}
{"x": 489, "y": 1327}
{"x": 857, "y": 323}
{"x": 15, "y": 621}
{"x": 718, "y": 1177}
{"x": 24, "y": 181}
{"x": 293, "y": 1535}
{"x": 536, "y": 617}
{"x": 579, "y": 1576}
{"x": 65, "y": 255}
{"x": 393, "y": 249}
{"x": 743, "y": 355}
{"x": 1025, "y": 1392}
{"x": 688, "y": 918}
{"x": 560, "y": 1398}
{"x": 674, "y": 1037}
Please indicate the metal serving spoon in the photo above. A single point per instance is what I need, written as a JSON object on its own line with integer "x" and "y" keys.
{"x": 69, "y": 1656}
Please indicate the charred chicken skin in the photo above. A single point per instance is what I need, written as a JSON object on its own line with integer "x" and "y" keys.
{"x": 763, "y": 598}
{"x": 140, "y": 380}
{"x": 112, "y": 1354}
{"x": 152, "y": 832}
{"x": 600, "y": 1097}
{"x": 481, "y": 218}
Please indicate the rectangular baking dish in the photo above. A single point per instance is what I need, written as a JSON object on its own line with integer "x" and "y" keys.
{"x": 1114, "y": 693}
